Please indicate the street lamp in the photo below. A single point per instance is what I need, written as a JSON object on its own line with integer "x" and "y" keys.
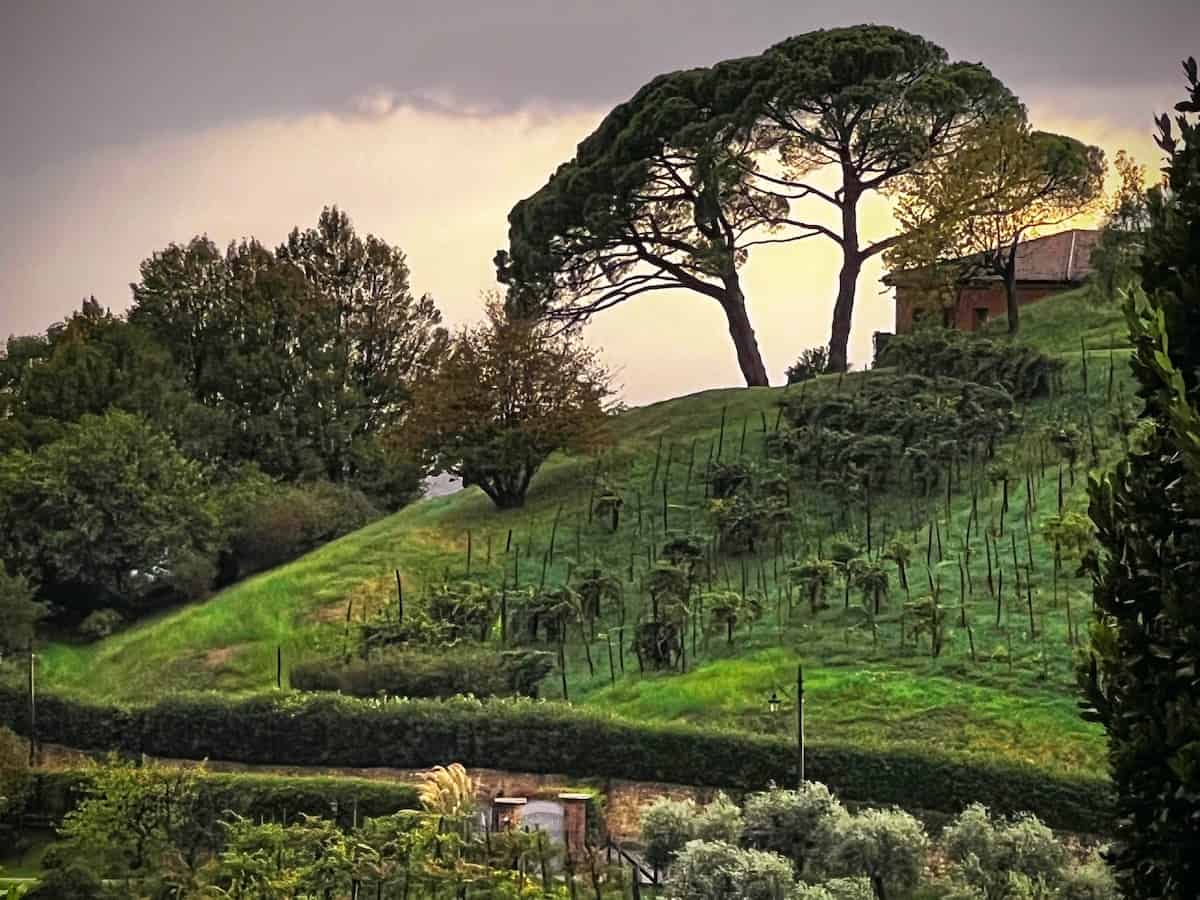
{"x": 774, "y": 704}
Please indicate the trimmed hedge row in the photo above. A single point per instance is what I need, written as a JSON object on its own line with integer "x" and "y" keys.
{"x": 536, "y": 736}
{"x": 51, "y": 795}
{"x": 408, "y": 673}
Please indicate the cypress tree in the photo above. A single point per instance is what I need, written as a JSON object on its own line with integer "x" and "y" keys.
{"x": 1142, "y": 680}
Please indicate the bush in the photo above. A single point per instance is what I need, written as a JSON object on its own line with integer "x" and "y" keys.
{"x": 886, "y": 846}
{"x": 100, "y": 624}
{"x": 834, "y": 889}
{"x": 411, "y": 673}
{"x": 290, "y": 520}
{"x": 537, "y": 736}
{"x": 799, "y": 825}
{"x": 812, "y": 362}
{"x": 713, "y": 870}
{"x": 1019, "y": 369}
{"x": 667, "y": 826}
{"x": 284, "y": 798}
{"x": 14, "y": 773}
{"x": 1003, "y": 860}
{"x": 71, "y": 882}
{"x": 720, "y": 820}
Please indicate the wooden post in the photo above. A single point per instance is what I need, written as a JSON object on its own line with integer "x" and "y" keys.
{"x": 32, "y": 706}
{"x": 278, "y": 667}
{"x": 399, "y": 598}
{"x": 800, "y": 721}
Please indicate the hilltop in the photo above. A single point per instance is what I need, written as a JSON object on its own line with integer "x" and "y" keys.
{"x": 998, "y": 691}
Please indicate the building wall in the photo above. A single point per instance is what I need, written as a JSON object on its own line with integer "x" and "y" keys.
{"x": 975, "y": 304}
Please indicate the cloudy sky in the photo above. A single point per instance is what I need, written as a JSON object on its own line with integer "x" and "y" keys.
{"x": 127, "y": 125}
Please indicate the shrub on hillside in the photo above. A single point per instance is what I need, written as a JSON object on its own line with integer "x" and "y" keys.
{"x": 412, "y": 673}
{"x": 100, "y": 623}
{"x": 1021, "y": 370}
{"x": 291, "y": 520}
{"x": 812, "y": 362}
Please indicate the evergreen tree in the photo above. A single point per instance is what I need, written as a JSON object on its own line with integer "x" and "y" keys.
{"x": 1143, "y": 678}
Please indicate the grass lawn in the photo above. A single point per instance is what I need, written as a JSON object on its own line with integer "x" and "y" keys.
{"x": 999, "y": 689}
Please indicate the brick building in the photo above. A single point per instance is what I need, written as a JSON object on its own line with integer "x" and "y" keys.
{"x": 1045, "y": 266}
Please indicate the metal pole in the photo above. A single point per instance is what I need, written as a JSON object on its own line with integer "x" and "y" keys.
{"x": 32, "y": 707}
{"x": 800, "y": 720}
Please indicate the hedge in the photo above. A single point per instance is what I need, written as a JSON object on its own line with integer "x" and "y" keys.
{"x": 409, "y": 673}
{"x": 545, "y": 737}
{"x": 51, "y": 795}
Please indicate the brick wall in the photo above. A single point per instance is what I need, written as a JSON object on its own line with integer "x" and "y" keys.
{"x": 975, "y": 304}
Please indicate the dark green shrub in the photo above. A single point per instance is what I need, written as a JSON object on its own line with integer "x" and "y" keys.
{"x": 1020, "y": 370}
{"x": 71, "y": 882}
{"x": 411, "y": 673}
{"x": 812, "y": 362}
{"x": 291, "y": 520}
{"x": 537, "y": 736}
{"x": 251, "y": 795}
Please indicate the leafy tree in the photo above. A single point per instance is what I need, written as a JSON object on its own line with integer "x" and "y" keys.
{"x": 1141, "y": 682}
{"x": 720, "y": 820}
{"x": 714, "y": 870}
{"x": 19, "y": 611}
{"x": 869, "y": 102}
{"x": 889, "y": 847}
{"x": 798, "y": 825}
{"x": 106, "y": 515}
{"x": 1000, "y": 859}
{"x": 139, "y": 822}
{"x": 92, "y": 362}
{"x": 655, "y": 199}
{"x": 667, "y": 825}
{"x": 509, "y": 394}
{"x": 1122, "y": 238}
{"x": 311, "y": 353}
{"x": 967, "y": 212}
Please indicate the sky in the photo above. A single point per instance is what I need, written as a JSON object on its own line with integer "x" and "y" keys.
{"x": 125, "y": 126}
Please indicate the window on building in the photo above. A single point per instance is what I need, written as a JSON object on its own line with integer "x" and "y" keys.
{"x": 981, "y": 316}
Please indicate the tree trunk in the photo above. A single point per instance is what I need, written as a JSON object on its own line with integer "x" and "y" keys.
{"x": 1009, "y": 274}
{"x": 744, "y": 342}
{"x": 852, "y": 260}
{"x": 1010, "y": 297}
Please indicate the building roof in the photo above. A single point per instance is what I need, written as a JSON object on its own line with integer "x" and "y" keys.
{"x": 1063, "y": 257}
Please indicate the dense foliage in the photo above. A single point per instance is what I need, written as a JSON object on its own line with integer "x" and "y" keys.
{"x": 804, "y": 845}
{"x": 1142, "y": 681}
{"x": 233, "y": 420}
{"x": 509, "y": 394}
{"x": 413, "y": 673}
{"x": 677, "y": 186}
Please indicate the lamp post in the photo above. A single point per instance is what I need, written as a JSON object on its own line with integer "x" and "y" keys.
{"x": 774, "y": 704}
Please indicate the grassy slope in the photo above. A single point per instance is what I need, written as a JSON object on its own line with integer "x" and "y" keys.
{"x": 1014, "y": 705}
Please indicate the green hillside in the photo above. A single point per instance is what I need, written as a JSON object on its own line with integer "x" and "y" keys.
{"x": 995, "y": 690}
